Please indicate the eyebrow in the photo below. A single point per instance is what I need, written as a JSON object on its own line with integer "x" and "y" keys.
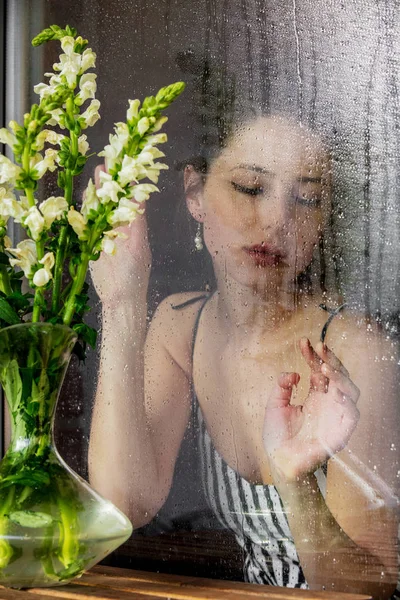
{"x": 253, "y": 168}
{"x": 310, "y": 179}
{"x": 305, "y": 179}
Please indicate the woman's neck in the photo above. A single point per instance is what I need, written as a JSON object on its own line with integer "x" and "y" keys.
{"x": 263, "y": 308}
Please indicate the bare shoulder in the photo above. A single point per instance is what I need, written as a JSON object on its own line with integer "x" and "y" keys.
{"x": 173, "y": 323}
{"x": 354, "y": 336}
{"x": 372, "y": 359}
{"x": 370, "y": 355}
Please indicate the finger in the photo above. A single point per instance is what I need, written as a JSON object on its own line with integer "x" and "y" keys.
{"x": 329, "y": 357}
{"x": 282, "y": 392}
{"x": 311, "y": 357}
{"x": 319, "y": 382}
{"x": 97, "y": 171}
{"x": 342, "y": 382}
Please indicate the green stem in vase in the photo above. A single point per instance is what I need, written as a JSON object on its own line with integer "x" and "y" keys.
{"x": 68, "y": 504}
{"x": 6, "y": 550}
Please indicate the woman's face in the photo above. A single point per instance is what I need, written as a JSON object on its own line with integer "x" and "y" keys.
{"x": 265, "y": 201}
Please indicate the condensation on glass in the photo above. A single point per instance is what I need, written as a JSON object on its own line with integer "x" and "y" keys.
{"x": 285, "y": 148}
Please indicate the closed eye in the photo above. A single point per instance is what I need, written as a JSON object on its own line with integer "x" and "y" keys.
{"x": 311, "y": 202}
{"x": 250, "y": 191}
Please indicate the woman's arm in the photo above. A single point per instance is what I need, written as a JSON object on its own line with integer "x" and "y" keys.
{"x": 349, "y": 542}
{"x": 134, "y": 441}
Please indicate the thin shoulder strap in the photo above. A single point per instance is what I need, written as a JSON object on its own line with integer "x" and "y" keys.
{"x": 197, "y": 321}
{"x": 333, "y": 312}
{"x": 188, "y": 302}
{"x": 204, "y": 297}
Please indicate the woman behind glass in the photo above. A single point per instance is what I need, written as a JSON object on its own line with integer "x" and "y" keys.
{"x": 274, "y": 402}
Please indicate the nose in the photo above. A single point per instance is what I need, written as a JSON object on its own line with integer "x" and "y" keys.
{"x": 274, "y": 208}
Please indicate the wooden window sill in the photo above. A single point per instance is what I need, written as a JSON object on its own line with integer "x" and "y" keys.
{"x": 111, "y": 583}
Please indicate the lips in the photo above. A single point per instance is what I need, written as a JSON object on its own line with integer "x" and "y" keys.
{"x": 265, "y": 255}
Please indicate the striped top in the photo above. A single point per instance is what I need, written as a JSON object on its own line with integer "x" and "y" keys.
{"x": 254, "y": 513}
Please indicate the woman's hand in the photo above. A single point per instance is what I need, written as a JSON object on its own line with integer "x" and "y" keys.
{"x": 298, "y": 439}
{"x": 124, "y": 275}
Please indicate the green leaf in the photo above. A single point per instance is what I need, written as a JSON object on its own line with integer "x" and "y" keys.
{"x": 7, "y": 313}
{"x": 86, "y": 333}
{"x": 81, "y": 305}
{"x": 32, "y": 478}
{"x": 12, "y": 384}
{"x": 4, "y": 260}
{"x": 18, "y": 300}
{"x": 30, "y": 518}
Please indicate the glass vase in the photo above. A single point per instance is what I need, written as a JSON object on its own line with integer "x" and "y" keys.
{"x": 53, "y": 525}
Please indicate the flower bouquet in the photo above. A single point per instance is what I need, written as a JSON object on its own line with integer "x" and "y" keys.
{"x": 52, "y": 524}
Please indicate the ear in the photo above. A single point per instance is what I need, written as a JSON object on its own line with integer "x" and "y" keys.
{"x": 194, "y": 185}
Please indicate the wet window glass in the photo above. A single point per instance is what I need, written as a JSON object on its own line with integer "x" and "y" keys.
{"x": 241, "y": 406}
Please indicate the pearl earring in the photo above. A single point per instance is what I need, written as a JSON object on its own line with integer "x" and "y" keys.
{"x": 198, "y": 240}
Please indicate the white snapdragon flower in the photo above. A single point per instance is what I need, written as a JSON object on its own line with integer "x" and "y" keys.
{"x": 6, "y": 137}
{"x": 52, "y": 209}
{"x": 150, "y": 153}
{"x": 142, "y": 191}
{"x": 26, "y": 256}
{"x": 159, "y": 124}
{"x": 68, "y": 44}
{"x": 111, "y": 154}
{"x": 47, "y": 163}
{"x": 88, "y": 60}
{"x": 70, "y": 62}
{"x": 47, "y": 136}
{"x": 35, "y": 221}
{"x": 129, "y": 170}
{"x": 124, "y": 214}
{"x": 43, "y": 276}
{"x": 87, "y": 87}
{"x": 158, "y": 138}
{"x": 108, "y": 244}
{"x": 133, "y": 110}
{"x": 10, "y": 207}
{"x": 78, "y": 223}
{"x": 118, "y": 142}
{"x": 57, "y": 118}
{"x": 109, "y": 189}
{"x": 122, "y": 133}
{"x": 153, "y": 172}
{"x": 83, "y": 145}
{"x": 9, "y": 172}
{"x": 44, "y": 90}
{"x": 90, "y": 201}
{"x": 91, "y": 114}
{"x": 143, "y": 125}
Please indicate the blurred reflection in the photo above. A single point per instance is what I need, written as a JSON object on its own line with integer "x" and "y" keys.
{"x": 285, "y": 397}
